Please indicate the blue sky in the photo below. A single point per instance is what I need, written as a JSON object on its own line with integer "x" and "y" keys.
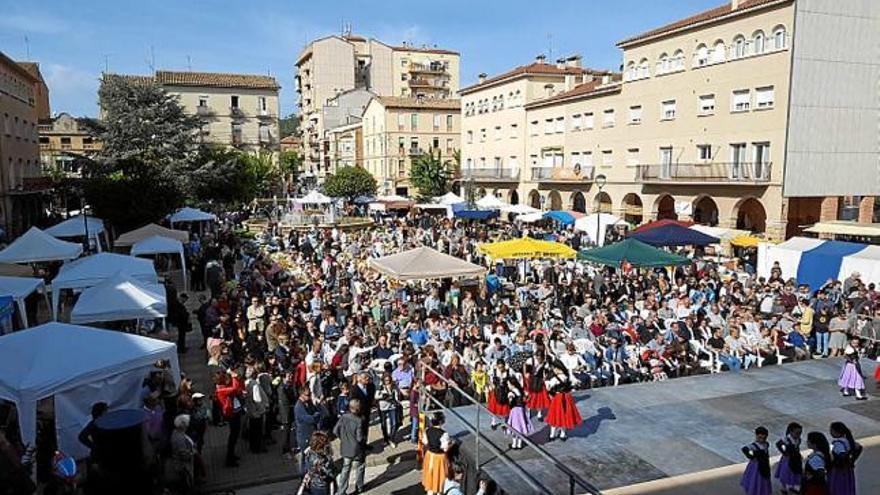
{"x": 74, "y": 40}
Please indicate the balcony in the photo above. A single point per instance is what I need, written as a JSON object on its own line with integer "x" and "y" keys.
{"x": 433, "y": 68}
{"x": 491, "y": 174}
{"x": 204, "y": 111}
{"x": 724, "y": 173}
{"x": 428, "y": 83}
{"x": 415, "y": 152}
{"x": 265, "y": 113}
{"x": 562, "y": 174}
{"x": 236, "y": 112}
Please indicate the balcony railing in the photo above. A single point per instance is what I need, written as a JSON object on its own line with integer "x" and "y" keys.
{"x": 491, "y": 174}
{"x": 236, "y": 111}
{"x": 427, "y": 68}
{"x": 562, "y": 174}
{"x": 204, "y": 111}
{"x": 727, "y": 173}
{"x": 428, "y": 83}
{"x": 265, "y": 113}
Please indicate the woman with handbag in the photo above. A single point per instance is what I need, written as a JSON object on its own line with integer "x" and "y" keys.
{"x": 320, "y": 476}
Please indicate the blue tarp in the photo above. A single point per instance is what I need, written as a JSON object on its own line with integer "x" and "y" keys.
{"x": 476, "y": 214}
{"x": 562, "y": 217}
{"x": 674, "y": 235}
{"x": 823, "y": 262}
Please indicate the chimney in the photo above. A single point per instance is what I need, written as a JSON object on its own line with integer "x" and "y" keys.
{"x": 606, "y": 79}
{"x": 549, "y": 89}
{"x": 541, "y": 58}
{"x": 573, "y": 61}
{"x": 571, "y": 80}
{"x": 734, "y": 4}
{"x": 560, "y": 63}
{"x": 482, "y": 77}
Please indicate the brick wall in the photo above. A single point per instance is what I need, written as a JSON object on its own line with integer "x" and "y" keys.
{"x": 866, "y": 210}
{"x": 828, "y": 210}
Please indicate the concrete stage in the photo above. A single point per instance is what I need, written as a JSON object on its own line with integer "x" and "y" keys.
{"x": 638, "y": 433}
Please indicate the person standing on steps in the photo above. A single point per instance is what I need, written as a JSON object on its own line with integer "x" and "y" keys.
{"x": 352, "y": 439}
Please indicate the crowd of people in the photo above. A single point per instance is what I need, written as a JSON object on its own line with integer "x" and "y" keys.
{"x": 306, "y": 343}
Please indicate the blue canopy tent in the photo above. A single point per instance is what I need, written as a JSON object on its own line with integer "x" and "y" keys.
{"x": 674, "y": 235}
{"x": 823, "y": 262}
{"x": 563, "y": 217}
{"x": 476, "y": 214}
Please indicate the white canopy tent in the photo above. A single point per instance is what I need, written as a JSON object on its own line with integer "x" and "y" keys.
{"x": 120, "y": 298}
{"x": 187, "y": 214}
{"x": 601, "y": 221}
{"x": 76, "y": 227}
{"x": 519, "y": 209}
{"x": 161, "y": 245}
{"x": 866, "y": 262}
{"x": 36, "y": 246}
{"x": 424, "y": 263}
{"x": 530, "y": 217}
{"x": 787, "y": 254}
{"x": 490, "y": 202}
{"x": 19, "y": 288}
{"x": 78, "y": 366}
{"x": 92, "y": 270}
{"x": 721, "y": 233}
{"x": 450, "y": 199}
{"x": 314, "y": 198}
{"x": 150, "y": 230}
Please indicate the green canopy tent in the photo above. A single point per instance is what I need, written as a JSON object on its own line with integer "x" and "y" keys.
{"x": 635, "y": 252}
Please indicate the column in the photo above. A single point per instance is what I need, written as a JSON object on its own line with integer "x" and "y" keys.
{"x": 866, "y": 209}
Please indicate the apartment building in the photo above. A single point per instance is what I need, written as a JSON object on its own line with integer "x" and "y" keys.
{"x": 63, "y": 139}
{"x": 740, "y": 116}
{"x": 239, "y": 110}
{"x": 494, "y": 125}
{"x": 345, "y": 143}
{"x": 397, "y": 130}
{"x": 21, "y": 204}
{"x": 41, "y": 90}
{"x": 334, "y": 65}
{"x": 340, "y": 118}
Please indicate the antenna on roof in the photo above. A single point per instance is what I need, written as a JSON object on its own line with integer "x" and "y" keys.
{"x": 151, "y": 62}
{"x": 106, "y": 63}
{"x": 550, "y": 46}
{"x": 189, "y": 65}
{"x": 27, "y": 47}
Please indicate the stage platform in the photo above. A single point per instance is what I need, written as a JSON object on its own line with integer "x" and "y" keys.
{"x": 642, "y": 432}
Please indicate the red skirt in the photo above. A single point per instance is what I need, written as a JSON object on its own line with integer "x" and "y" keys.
{"x": 563, "y": 412}
{"x": 496, "y": 408}
{"x": 877, "y": 374}
{"x": 539, "y": 399}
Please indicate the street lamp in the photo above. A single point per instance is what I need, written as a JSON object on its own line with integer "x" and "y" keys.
{"x": 86, "y": 244}
{"x": 600, "y": 181}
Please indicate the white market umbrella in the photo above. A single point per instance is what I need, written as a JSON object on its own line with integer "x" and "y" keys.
{"x": 314, "y": 198}
{"x": 450, "y": 199}
{"x": 490, "y": 202}
{"x": 520, "y": 209}
{"x": 601, "y": 221}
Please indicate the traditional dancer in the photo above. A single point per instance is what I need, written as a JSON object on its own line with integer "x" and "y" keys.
{"x": 435, "y": 465}
{"x": 563, "y": 414}
{"x": 536, "y": 371}
{"x": 844, "y": 453}
{"x": 816, "y": 465}
{"x": 790, "y": 469}
{"x": 498, "y": 401}
{"x": 851, "y": 377}
{"x": 756, "y": 478}
{"x": 518, "y": 420}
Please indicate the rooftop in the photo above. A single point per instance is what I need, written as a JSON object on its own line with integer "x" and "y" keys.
{"x": 33, "y": 69}
{"x": 535, "y": 68}
{"x": 423, "y": 49}
{"x": 216, "y": 80}
{"x": 427, "y": 103}
{"x": 702, "y": 17}
{"x": 585, "y": 90}
{"x": 16, "y": 66}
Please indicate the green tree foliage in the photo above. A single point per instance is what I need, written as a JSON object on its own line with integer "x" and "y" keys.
{"x": 220, "y": 175}
{"x": 289, "y": 125}
{"x": 431, "y": 175}
{"x": 349, "y": 183}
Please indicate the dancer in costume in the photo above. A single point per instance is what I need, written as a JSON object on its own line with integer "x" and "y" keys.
{"x": 563, "y": 414}
{"x": 851, "y": 377}
{"x": 816, "y": 465}
{"x": 498, "y": 401}
{"x": 790, "y": 469}
{"x": 435, "y": 465}
{"x": 537, "y": 398}
{"x": 518, "y": 420}
{"x": 756, "y": 478}
{"x": 844, "y": 453}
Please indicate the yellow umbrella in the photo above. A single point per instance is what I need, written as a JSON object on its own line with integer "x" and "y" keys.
{"x": 527, "y": 248}
{"x": 745, "y": 241}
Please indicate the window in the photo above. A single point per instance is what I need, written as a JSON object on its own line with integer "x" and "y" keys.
{"x": 632, "y": 157}
{"x": 548, "y": 126}
{"x": 737, "y": 160}
{"x": 414, "y": 121}
{"x": 588, "y": 120}
{"x": 449, "y": 123}
{"x": 739, "y": 47}
{"x": 630, "y": 72}
{"x": 514, "y": 128}
{"x": 401, "y": 144}
{"x": 401, "y": 168}
{"x": 560, "y": 125}
{"x": 469, "y": 164}
{"x": 403, "y": 76}
{"x": 262, "y": 105}
{"x": 608, "y": 118}
{"x": 437, "y": 120}
{"x": 701, "y": 56}
{"x": 761, "y": 160}
{"x": 668, "y": 110}
{"x": 635, "y": 114}
{"x": 764, "y": 97}
{"x": 233, "y": 102}
{"x": 779, "y": 38}
{"x": 236, "y": 133}
{"x": 65, "y": 143}
{"x": 707, "y": 104}
{"x": 498, "y": 163}
{"x": 663, "y": 64}
{"x": 576, "y": 122}
{"x": 740, "y": 101}
{"x": 665, "y": 162}
{"x": 435, "y": 143}
{"x": 413, "y": 144}
{"x": 678, "y": 60}
{"x": 533, "y": 128}
{"x": 497, "y": 132}
{"x": 587, "y": 159}
{"x": 704, "y": 152}
{"x": 644, "y": 69}
{"x": 470, "y": 137}
{"x": 607, "y": 158}
{"x": 203, "y": 101}
{"x": 758, "y": 42}
{"x": 512, "y": 163}
{"x": 265, "y": 137}
{"x": 718, "y": 52}
{"x": 483, "y": 135}
{"x": 483, "y": 162}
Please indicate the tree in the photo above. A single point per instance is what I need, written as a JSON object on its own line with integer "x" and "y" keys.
{"x": 142, "y": 122}
{"x": 222, "y": 175}
{"x": 349, "y": 183}
{"x": 431, "y": 175}
{"x": 289, "y": 125}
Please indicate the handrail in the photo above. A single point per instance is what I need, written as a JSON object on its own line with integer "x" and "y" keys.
{"x": 574, "y": 478}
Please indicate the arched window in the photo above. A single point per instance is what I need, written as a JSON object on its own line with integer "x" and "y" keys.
{"x": 663, "y": 64}
{"x": 501, "y": 102}
{"x": 739, "y": 47}
{"x": 630, "y": 73}
{"x": 758, "y": 42}
{"x": 718, "y": 52}
{"x": 701, "y": 56}
{"x": 779, "y": 37}
{"x": 678, "y": 60}
{"x": 644, "y": 69}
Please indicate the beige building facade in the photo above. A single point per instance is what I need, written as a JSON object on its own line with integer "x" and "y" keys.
{"x": 62, "y": 140}
{"x": 345, "y": 145}
{"x": 21, "y": 203}
{"x": 398, "y": 130}
{"x": 696, "y": 129}
{"x": 335, "y": 65}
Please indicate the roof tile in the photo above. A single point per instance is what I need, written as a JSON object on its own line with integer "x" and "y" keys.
{"x": 537, "y": 68}
{"x": 427, "y": 103}
{"x": 216, "y": 80}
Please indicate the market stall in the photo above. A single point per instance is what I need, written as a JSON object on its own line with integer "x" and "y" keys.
{"x": 36, "y": 246}
{"x": 77, "y": 226}
{"x": 425, "y": 263}
{"x": 633, "y": 252}
{"x": 120, "y": 298}
{"x": 526, "y": 248}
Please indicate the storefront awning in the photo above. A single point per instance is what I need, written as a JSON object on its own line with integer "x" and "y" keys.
{"x": 846, "y": 228}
